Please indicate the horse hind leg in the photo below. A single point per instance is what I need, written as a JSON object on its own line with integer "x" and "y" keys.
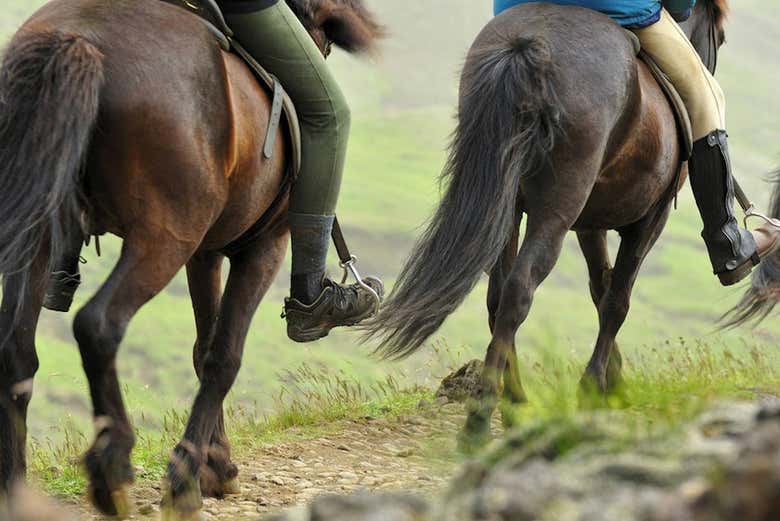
{"x": 251, "y": 274}
{"x": 537, "y": 256}
{"x": 146, "y": 265}
{"x": 18, "y": 365}
{"x": 603, "y": 375}
{"x": 219, "y": 476}
{"x": 594, "y": 248}
{"x": 513, "y": 392}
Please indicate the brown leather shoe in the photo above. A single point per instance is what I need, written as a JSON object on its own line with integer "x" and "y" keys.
{"x": 767, "y": 238}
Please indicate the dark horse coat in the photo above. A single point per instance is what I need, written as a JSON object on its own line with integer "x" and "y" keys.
{"x": 127, "y": 112}
{"x": 558, "y": 121}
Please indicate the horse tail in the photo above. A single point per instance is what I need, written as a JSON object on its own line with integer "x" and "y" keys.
{"x": 764, "y": 292}
{"x": 508, "y": 120}
{"x": 50, "y": 87}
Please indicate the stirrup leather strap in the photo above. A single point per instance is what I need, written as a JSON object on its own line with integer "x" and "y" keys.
{"x": 349, "y": 262}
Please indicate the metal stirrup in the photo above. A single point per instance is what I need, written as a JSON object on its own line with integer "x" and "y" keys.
{"x": 750, "y": 208}
{"x": 349, "y": 263}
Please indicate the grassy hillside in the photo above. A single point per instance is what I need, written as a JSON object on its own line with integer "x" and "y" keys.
{"x": 403, "y": 104}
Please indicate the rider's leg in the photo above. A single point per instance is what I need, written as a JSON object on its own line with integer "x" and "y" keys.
{"x": 65, "y": 278}
{"x": 733, "y": 251}
{"x": 278, "y": 40}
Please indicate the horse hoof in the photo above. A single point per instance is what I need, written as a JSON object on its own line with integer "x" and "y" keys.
{"x": 509, "y": 414}
{"x": 232, "y": 487}
{"x": 184, "y": 505}
{"x": 168, "y": 513}
{"x": 114, "y": 503}
{"x": 471, "y": 441}
{"x": 592, "y": 393}
{"x": 212, "y": 486}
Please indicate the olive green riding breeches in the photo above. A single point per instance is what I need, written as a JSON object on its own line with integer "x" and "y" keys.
{"x": 278, "y": 40}
{"x": 667, "y": 44}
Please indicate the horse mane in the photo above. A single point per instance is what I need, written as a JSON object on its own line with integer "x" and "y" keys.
{"x": 348, "y": 23}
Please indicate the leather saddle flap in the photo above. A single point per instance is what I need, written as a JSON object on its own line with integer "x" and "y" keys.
{"x": 282, "y": 105}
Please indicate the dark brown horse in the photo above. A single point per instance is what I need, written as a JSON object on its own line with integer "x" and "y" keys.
{"x": 124, "y": 116}
{"x": 560, "y": 121}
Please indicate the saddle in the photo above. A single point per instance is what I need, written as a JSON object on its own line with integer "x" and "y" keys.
{"x": 281, "y": 105}
{"x": 684, "y": 127}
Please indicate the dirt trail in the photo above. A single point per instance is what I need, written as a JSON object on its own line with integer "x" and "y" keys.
{"x": 413, "y": 453}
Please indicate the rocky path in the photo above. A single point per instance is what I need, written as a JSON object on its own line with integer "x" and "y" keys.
{"x": 413, "y": 453}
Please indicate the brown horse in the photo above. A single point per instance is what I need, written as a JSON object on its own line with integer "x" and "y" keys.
{"x": 560, "y": 121}
{"x": 126, "y": 117}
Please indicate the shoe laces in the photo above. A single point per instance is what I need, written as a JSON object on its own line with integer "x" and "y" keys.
{"x": 344, "y": 295}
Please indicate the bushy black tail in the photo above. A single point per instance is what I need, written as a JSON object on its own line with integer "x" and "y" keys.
{"x": 508, "y": 120}
{"x": 764, "y": 292}
{"x": 50, "y": 87}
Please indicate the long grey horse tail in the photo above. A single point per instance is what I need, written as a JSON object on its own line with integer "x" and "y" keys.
{"x": 508, "y": 120}
{"x": 50, "y": 86}
{"x": 764, "y": 292}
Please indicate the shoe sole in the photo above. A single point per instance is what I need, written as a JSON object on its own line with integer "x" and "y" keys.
{"x": 312, "y": 335}
{"x": 736, "y": 275}
{"x": 58, "y": 306}
{"x": 732, "y": 277}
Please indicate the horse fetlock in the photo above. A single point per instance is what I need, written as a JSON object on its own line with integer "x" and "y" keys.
{"x": 480, "y": 410}
{"x": 615, "y": 380}
{"x": 484, "y": 400}
{"x": 110, "y": 473}
{"x": 508, "y": 414}
{"x": 21, "y": 392}
{"x": 182, "y": 486}
{"x": 219, "y": 476}
{"x": 513, "y": 392}
{"x": 475, "y": 433}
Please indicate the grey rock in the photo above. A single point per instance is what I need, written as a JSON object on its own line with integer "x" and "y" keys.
{"x": 460, "y": 385}
{"x": 367, "y": 507}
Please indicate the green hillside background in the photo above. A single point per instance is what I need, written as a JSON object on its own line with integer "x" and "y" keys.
{"x": 403, "y": 104}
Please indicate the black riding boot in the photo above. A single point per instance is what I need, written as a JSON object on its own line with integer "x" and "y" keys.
{"x": 63, "y": 283}
{"x": 65, "y": 277}
{"x": 733, "y": 250}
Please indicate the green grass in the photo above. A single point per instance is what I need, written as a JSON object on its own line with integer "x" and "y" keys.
{"x": 403, "y": 103}
{"x": 311, "y": 402}
{"x": 665, "y": 388}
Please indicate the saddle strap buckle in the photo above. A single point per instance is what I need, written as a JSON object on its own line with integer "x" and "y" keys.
{"x": 350, "y": 267}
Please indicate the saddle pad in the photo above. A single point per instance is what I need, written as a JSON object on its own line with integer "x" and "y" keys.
{"x": 684, "y": 126}
{"x": 209, "y": 13}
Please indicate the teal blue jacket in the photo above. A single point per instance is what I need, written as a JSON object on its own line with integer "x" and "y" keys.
{"x": 628, "y": 13}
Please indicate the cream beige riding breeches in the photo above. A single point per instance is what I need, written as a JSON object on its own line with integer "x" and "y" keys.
{"x": 667, "y": 44}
